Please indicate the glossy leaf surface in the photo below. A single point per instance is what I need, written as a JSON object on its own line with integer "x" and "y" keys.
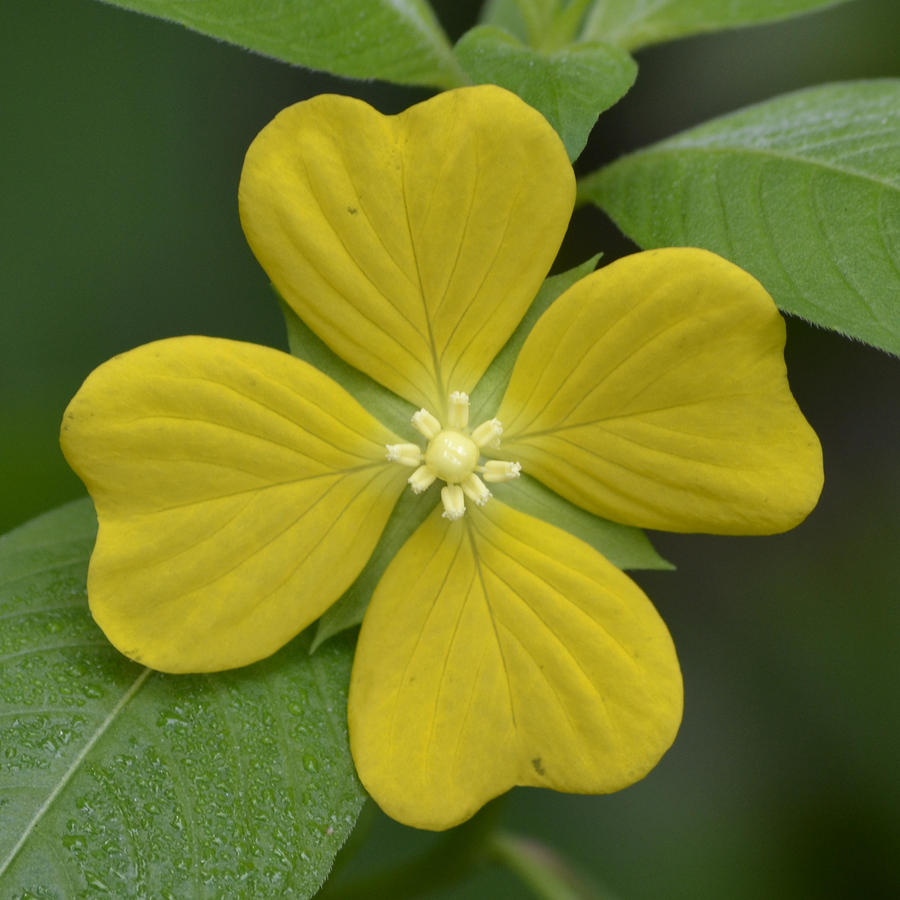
{"x": 117, "y": 781}
{"x": 802, "y": 191}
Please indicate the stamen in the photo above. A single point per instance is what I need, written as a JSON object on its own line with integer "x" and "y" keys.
{"x": 499, "y": 470}
{"x": 405, "y": 454}
{"x": 452, "y": 456}
{"x": 458, "y": 414}
{"x": 475, "y": 490}
{"x": 421, "y": 479}
{"x": 454, "y": 502}
{"x": 425, "y": 423}
{"x": 487, "y": 434}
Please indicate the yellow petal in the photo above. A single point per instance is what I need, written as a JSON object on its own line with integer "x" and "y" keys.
{"x": 239, "y": 492}
{"x": 411, "y": 244}
{"x": 499, "y": 651}
{"x": 654, "y": 393}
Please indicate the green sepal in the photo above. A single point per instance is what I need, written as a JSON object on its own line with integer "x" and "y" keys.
{"x": 385, "y": 405}
{"x": 487, "y": 394}
{"x": 623, "y": 545}
{"x": 411, "y": 510}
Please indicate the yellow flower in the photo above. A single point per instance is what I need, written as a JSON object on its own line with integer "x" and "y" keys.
{"x": 240, "y": 491}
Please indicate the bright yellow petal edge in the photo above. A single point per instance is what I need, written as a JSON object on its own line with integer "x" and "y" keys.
{"x": 497, "y": 651}
{"x": 410, "y": 244}
{"x": 239, "y": 492}
{"x": 654, "y": 393}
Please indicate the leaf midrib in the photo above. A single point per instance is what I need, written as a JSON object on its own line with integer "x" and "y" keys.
{"x": 67, "y": 776}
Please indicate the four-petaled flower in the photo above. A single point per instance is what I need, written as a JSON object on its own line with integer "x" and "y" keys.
{"x": 240, "y": 491}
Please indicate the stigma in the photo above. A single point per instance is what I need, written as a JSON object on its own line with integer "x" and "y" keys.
{"x": 452, "y": 454}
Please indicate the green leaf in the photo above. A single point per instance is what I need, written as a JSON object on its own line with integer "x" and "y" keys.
{"x": 570, "y": 86}
{"x": 623, "y": 545}
{"x": 802, "y": 191}
{"x": 636, "y": 23}
{"x": 123, "y": 782}
{"x": 395, "y": 40}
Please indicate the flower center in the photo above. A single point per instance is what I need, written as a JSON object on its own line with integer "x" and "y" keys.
{"x": 452, "y": 455}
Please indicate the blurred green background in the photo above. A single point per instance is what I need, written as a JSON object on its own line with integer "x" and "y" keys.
{"x": 122, "y": 147}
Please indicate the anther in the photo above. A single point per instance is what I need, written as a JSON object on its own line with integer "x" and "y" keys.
{"x": 458, "y": 413}
{"x": 454, "y": 502}
{"x": 405, "y": 454}
{"x": 474, "y": 488}
{"x": 425, "y": 423}
{"x": 487, "y": 434}
{"x": 421, "y": 479}
{"x": 499, "y": 470}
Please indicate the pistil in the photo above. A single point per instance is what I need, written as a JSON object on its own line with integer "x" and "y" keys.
{"x": 452, "y": 455}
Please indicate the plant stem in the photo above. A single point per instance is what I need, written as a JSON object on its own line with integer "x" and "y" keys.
{"x": 455, "y": 855}
{"x": 548, "y": 875}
